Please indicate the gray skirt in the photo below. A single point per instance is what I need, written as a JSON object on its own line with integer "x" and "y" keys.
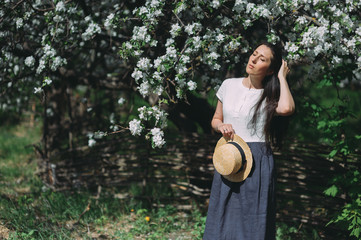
{"x": 246, "y": 210}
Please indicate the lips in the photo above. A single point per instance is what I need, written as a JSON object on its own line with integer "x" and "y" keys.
{"x": 250, "y": 66}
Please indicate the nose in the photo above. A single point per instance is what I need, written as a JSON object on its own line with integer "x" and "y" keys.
{"x": 254, "y": 59}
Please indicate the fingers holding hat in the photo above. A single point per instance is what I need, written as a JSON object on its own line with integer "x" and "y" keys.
{"x": 226, "y": 130}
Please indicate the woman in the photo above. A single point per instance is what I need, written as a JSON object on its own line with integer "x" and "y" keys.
{"x": 251, "y": 108}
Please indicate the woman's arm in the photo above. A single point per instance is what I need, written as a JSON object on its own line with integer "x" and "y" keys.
{"x": 286, "y": 104}
{"x": 218, "y": 125}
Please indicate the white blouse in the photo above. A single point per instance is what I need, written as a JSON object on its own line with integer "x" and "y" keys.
{"x": 238, "y": 102}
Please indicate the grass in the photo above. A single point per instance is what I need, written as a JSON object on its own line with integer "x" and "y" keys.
{"x": 29, "y": 210}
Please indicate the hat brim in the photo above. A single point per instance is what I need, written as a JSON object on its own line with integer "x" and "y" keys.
{"x": 243, "y": 174}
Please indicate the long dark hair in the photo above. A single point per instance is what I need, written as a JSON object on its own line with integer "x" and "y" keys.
{"x": 275, "y": 126}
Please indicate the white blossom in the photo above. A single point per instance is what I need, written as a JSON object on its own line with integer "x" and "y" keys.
{"x": 58, "y": 18}
{"x": 185, "y": 59}
{"x": 121, "y": 101}
{"x": 154, "y": 3}
{"x": 91, "y": 142}
{"x": 142, "y": 113}
{"x": 144, "y": 89}
{"x": 60, "y": 7}
{"x": 291, "y": 47}
{"x": 220, "y": 38}
{"x": 140, "y": 33}
{"x": 144, "y": 64}
{"x": 19, "y": 23}
{"x": 29, "y": 61}
{"x": 213, "y": 55}
{"x": 157, "y": 76}
{"x": 336, "y": 59}
{"x": 135, "y": 127}
{"x": 192, "y": 28}
{"x": 317, "y": 50}
{"x": 175, "y": 29}
{"x": 49, "y": 112}
{"x": 158, "y": 90}
{"x": 47, "y": 81}
{"x": 180, "y": 8}
{"x": 137, "y": 74}
{"x": 225, "y": 21}
{"x": 57, "y": 62}
{"x": 49, "y": 51}
{"x": 358, "y": 31}
{"x": 16, "y": 69}
{"x": 157, "y": 62}
{"x": 157, "y": 137}
{"x": 301, "y": 20}
{"x": 197, "y": 42}
{"x": 192, "y": 85}
{"x": 171, "y": 52}
{"x": 92, "y": 29}
{"x": 359, "y": 62}
{"x": 215, "y": 4}
{"x": 41, "y": 66}
{"x": 108, "y": 21}
{"x": 38, "y": 89}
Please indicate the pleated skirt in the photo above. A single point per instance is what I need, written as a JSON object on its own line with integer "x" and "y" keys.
{"x": 246, "y": 210}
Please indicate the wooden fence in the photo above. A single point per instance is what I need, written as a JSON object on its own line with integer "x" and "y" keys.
{"x": 182, "y": 172}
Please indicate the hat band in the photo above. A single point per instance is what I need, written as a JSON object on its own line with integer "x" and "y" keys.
{"x": 242, "y": 154}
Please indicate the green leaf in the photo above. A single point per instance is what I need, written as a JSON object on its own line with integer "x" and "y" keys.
{"x": 331, "y": 191}
{"x": 332, "y": 153}
{"x": 321, "y": 124}
{"x": 356, "y": 232}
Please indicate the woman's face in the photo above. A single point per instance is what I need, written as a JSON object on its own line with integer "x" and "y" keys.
{"x": 259, "y": 62}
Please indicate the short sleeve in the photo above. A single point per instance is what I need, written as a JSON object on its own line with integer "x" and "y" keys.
{"x": 221, "y": 91}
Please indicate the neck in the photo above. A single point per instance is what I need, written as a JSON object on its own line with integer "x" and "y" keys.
{"x": 254, "y": 81}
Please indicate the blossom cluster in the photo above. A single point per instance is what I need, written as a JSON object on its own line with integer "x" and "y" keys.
{"x": 156, "y": 134}
{"x": 159, "y": 119}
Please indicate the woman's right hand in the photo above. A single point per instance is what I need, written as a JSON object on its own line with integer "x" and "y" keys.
{"x": 218, "y": 125}
{"x": 226, "y": 130}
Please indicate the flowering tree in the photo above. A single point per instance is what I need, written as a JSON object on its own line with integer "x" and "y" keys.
{"x": 213, "y": 36}
{"x": 166, "y": 50}
{"x": 172, "y": 47}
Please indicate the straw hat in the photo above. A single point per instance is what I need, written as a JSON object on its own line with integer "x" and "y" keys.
{"x": 233, "y": 159}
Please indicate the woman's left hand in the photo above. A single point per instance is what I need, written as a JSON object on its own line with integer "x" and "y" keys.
{"x": 284, "y": 70}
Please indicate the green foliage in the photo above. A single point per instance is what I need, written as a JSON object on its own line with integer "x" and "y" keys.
{"x": 289, "y": 232}
{"x": 350, "y": 214}
{"x": 332, "y": 112}
{"x": 331, "y": 191}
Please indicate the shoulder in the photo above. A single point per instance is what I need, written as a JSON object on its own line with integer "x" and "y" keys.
{"x": 232, "y": 81}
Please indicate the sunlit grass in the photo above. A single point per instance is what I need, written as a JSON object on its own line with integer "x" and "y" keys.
{"x": 17, "y": 158}
{"x": 29, "y": 210}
